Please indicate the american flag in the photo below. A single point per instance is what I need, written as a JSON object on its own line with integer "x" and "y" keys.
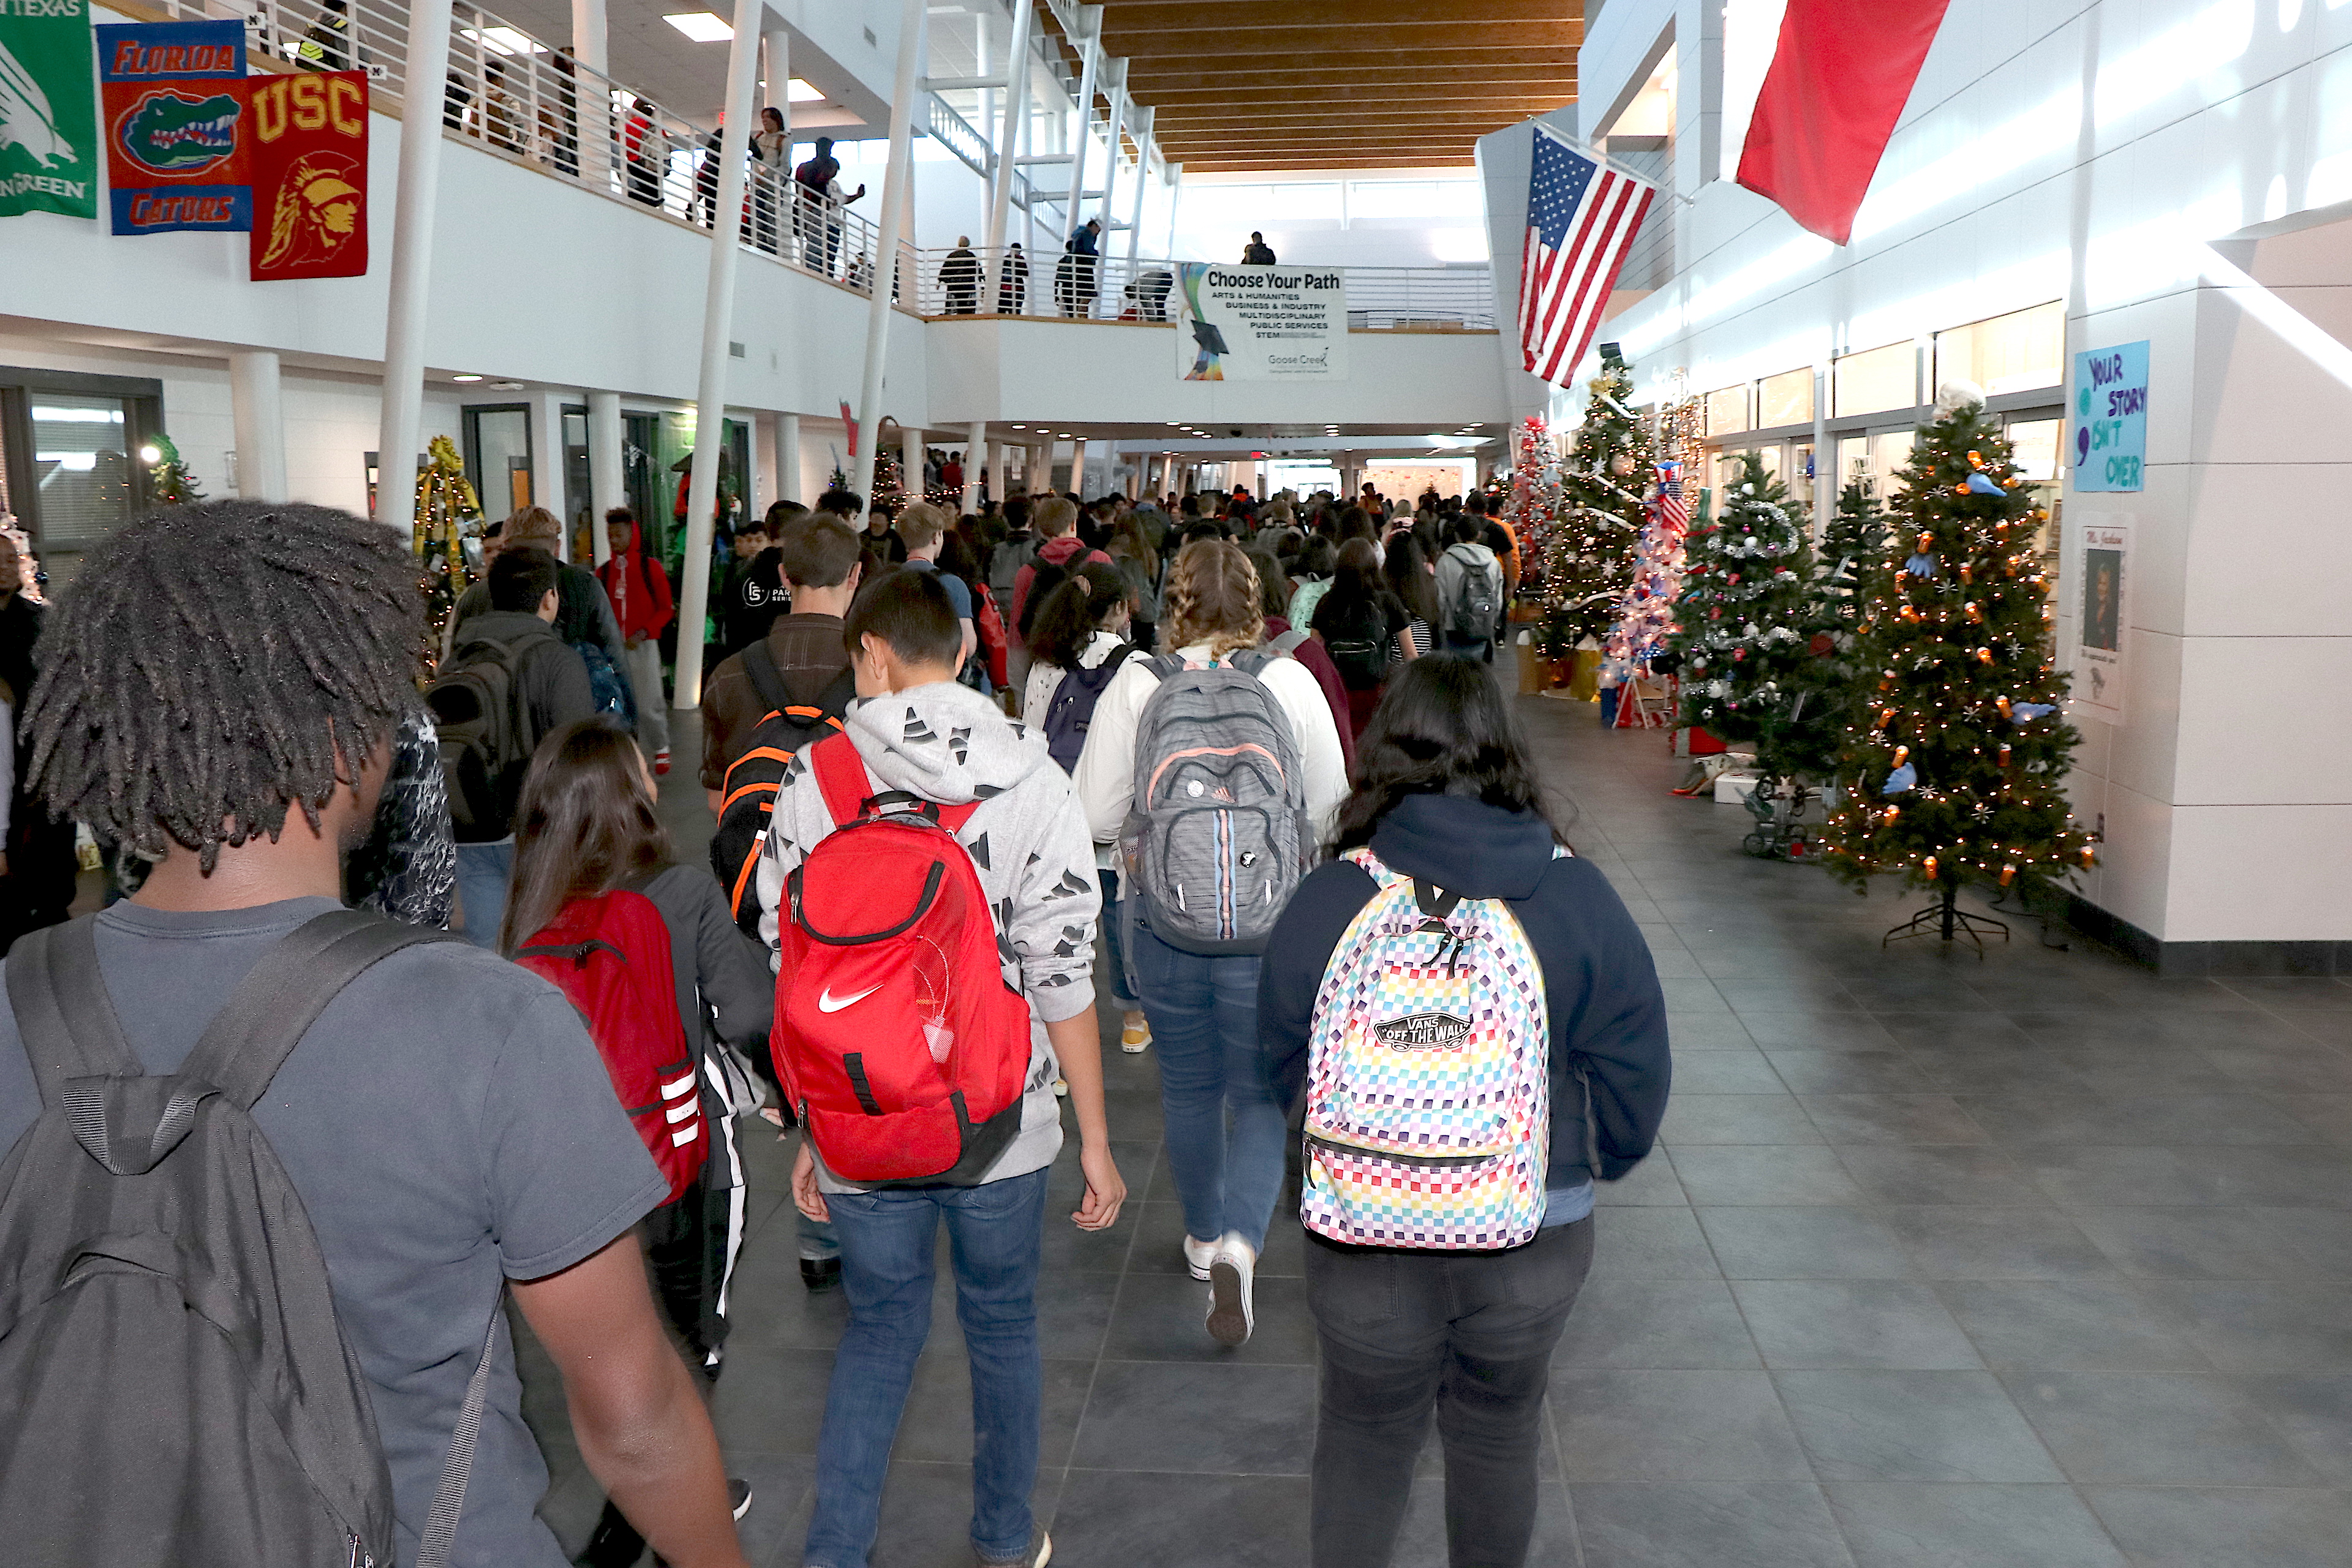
{"x": 1673, "y": 513}
{"x": 1581, "y": 218}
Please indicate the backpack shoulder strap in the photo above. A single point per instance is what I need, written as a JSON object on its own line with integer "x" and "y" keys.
{"x": 1251, "y": 661}
{"x": 63, "y": 1013}
{"x": 1288, "y": 643}
{"x": 760, "y": 664}
{"x": 841, "y": 774}
{"x": 275, "y": 1005}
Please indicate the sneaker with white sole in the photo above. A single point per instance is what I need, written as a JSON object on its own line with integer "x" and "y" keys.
{"x": 1231, "y": 1274}
{"x": 1198, "y": 1256}
{"x": 1037, "y": 1554}
{"x": 1135, "y": 1038}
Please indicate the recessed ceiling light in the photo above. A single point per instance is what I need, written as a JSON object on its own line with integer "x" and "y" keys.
{"x": 507, "y": 386}
{"x": 464, "y": 378}
{"x": 799, "y": 91}
{"x": 504, "y": 41}
{"x": 702, "y": 26}
{"x": 1021, "y": 426}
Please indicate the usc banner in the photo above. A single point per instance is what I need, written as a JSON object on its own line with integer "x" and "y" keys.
{"x": 192, "y": 143}
{"x": 307, "y": 143}
{"x": 173, "y": 104}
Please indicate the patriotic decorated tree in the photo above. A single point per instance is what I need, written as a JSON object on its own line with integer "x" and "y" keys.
{"x": 1956, "y": 757}
{"x": 1646, "y": 616}
{"x": 1747, "y": 631}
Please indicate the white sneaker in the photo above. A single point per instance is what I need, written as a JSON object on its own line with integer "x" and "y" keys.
{"x": 1198, "y": 1256}
{"x": 1232, "y": 1273}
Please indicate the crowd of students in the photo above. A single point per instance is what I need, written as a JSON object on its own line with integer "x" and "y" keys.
{"x": 955, "y": 766}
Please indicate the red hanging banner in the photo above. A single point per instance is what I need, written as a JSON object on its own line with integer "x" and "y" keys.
{"x": 306, "y": 149}
{"x": 1839, "y": 78}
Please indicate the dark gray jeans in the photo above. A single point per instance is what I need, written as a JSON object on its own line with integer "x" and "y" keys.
{"x": 1469, "y": 1335}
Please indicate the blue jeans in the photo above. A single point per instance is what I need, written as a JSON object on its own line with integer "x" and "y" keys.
{"x": 1204, "y": 1013}
{"x": 995, "y": 1234}
{"x": 483, "y": 872}
{"x": 1115, "y": 939}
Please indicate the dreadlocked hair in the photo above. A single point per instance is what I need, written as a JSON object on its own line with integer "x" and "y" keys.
{"x": 210, "y": 666}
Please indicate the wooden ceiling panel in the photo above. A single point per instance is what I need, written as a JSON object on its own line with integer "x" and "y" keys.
{"x": 1257, "y": 85}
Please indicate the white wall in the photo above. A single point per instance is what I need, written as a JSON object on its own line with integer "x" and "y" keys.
{"x": 2104, "y": 158}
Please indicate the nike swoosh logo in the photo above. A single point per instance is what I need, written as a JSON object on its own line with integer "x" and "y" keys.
{"x": 827, "y": 1002}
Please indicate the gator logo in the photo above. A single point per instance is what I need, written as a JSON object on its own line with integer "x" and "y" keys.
{"x": 167, "y": 131}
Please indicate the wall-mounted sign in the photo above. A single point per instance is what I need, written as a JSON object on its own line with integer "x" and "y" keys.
{"x": 48, "y": 110}
{"x": 2103, "y": 632}
{"x": 309, "y": 156}
{"x": 1260, "y": 323}
{"x": 174, "y": 96}
{"x": 2110, "y": 417}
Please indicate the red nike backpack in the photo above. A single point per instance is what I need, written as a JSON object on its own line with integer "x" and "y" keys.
{"x": 610, "y": 955}
{"x": 897, "y": 1038}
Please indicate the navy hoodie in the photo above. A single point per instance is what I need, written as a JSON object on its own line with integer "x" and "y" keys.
{"x": 1610, "y": 1067}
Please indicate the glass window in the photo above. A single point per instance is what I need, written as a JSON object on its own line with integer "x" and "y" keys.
{"x": 81, "y": 465}
{"x": 1412, "y": 198}
{"x": 1726, "y": 411}
{"x": 1784, "y": 399}
{"x": 2036, "y": 444}
{"x": 2015, "y": 353}
{"x": 1854, "y": 460}
{"x": 498, "y": 451}
{"x": 1889, "y": 450}
{"x": 1876, "y": 380}
{"x": 1800, "y": 478}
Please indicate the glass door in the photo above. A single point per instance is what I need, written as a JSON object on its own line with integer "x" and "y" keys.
{"x": 578, "y": 502}
{"x": 498, "y": 458}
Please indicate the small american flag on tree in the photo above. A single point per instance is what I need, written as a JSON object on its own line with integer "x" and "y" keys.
{"x": 1582, "y": 215}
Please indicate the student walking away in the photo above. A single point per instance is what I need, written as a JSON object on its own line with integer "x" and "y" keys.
{"x": 923, "y": 529}
{"x": 935, "y": 972}
{"x": 1364, "y": 627}
{"x": 1455, "y": 989}
{"x": 37, "y": 845}
{"x": 382, "y": 1131}
{"x": 640, "y": 593}
{"x": 1082, "y": 637}
{"x": 1059, "y": 552}
{"x": 583, "y": 614}
{"x": 1012, "y": 282}
{"x": 1297, "y": 642}
{"x": 674, "y": 996}
{"x": 1469, "y": 591}
{"x": 1015, "y": 552}
{"x": 755, "y": 593}
{"x": 507, "y": 685}
{"x": 1497, "y": 537}
{"x": 960, "y": 279}
{"x": 1257, "y": 253}
{"x": 1311, "y": 578}
{"x": 1413, "y": 579}
{"x": 1214, "y": 768}
{"x": 985, "y": 671}
{"x": 645, "y": 147}
{"x": 759, "y": 707}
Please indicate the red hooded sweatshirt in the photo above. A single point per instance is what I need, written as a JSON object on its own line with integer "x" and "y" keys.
{"x": 1069, "y": 553}
{"x": 639, "y": 590}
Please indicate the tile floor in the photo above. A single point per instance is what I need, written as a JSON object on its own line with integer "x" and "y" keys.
{"x": 2037, "y": 1262}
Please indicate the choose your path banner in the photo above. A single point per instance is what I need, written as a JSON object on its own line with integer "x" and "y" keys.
{"x": 1260, "y": 323}
{"x": 49, "y": 112}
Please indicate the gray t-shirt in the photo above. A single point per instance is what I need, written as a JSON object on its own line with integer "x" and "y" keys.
{"x": 449, "y": 1126}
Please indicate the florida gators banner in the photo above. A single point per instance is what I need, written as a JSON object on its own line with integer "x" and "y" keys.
{"x": 306, "y": 150}
{"x": 174, "y": 102}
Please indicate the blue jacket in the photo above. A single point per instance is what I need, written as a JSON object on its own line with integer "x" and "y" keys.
{"x": 1609, "y": 1065}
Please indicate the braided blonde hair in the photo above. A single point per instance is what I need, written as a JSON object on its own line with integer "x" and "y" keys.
{"x": 1213, "y": 597}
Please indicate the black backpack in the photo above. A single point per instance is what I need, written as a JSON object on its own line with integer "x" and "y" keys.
{"x": 748, "y": 794}
{"x": 1071, "y": 714}
{"x": 484, "y": 723}
{"x": 180, "y": 1391}
{"x": 1358, "y": 643}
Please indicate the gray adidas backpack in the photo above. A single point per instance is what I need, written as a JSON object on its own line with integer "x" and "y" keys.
{"x": 180, "y": 1393}
{"x": 1218, "y": 836}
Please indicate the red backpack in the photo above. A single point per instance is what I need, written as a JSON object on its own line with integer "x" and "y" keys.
{"x": 610, "y": 955}
{"x": 903, "y": 1050}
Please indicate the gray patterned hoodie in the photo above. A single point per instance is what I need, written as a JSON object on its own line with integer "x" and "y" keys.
{"x": 1028, "y": 840}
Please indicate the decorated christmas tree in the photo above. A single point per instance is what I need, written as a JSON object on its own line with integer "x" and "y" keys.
{"x": 1957, "y": 753}
{"x": 1851, "y": 548}
{"x": 1646, "y": 616}
{"x": 447, "y": 514}
{"x": 1748, "y": 630}
{"x": 168, "y": 479}
{"x": 1605, "y": 485}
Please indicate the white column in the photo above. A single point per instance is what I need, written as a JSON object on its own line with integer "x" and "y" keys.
{"x": 974, "y": 445}
{"x": 910, "y": 462}
{"x": 788, "y": 459}
{"x": 911, "y": 18}
{"x": 1078, "y": 469}
{"x": 718, "y": 321}
{"x": 999, "y": 484}
{"x": 421, "y": 92}
{"x": 547, "y": 464}
{"x": 591, "y": 99}
{"x": 1110, "y": 165}
{"x": 1144, "y": 120}
{"x": 1009, "y": 140}
{"x": 778, "y": 68}
{"x": 604, "y": 492}
{"x": 1090, "y": 53}
{"x": 259, "y": 420}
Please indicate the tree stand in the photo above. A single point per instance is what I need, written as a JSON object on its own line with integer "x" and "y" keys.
{"x": 1948, "y": 920}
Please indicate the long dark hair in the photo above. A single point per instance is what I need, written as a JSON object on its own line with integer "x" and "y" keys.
{"x": 1444, "y": 728}
{"x": 586, "y": 826}
{"x": 1073, "y": 611}
{"x": 1356, "y": 579}
{"x": 1317, "y": 558}
{"x": 1409, "y": 579}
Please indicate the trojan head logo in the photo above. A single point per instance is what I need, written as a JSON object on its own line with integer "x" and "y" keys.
{"x": 316, "y": 213}
{"x": 169, "y": 131}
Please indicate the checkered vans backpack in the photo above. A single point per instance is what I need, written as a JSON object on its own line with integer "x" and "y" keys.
{"x": 1429, "y": 1076}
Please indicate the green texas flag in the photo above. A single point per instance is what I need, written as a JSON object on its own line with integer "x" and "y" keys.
{"x": 48, "y": 110}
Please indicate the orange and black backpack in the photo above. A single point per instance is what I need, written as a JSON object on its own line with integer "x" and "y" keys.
{"x": 748, "y": 794}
